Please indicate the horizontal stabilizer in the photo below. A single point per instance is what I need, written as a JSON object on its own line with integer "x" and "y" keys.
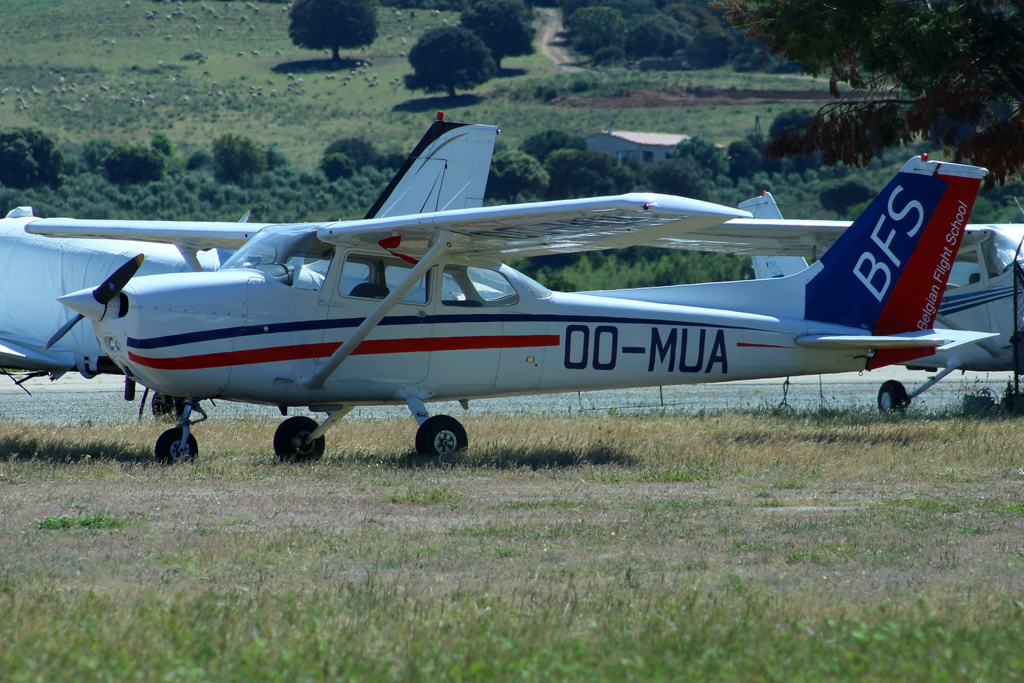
{"x": 940, "y": 340}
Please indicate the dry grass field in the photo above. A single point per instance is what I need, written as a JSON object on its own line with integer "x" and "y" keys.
{"x": 724, "y": 547}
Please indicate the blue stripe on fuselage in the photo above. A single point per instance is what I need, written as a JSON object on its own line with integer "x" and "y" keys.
{"x": 341, "y": 323}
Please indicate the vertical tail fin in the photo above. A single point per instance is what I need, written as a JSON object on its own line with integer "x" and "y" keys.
{"x": 888, "y": 271}
{"x": 766, "y": 267}
{"x": 447, "y": 170}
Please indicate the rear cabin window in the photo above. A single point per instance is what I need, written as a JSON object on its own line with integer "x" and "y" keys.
{"x": 966, "y": 269}
{"x": 476, "y": 287}
{"x": 373, "y": 277}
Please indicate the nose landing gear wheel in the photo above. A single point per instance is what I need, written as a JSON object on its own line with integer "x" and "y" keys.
{"x": 893, "y": 397}
{"x": 171, "y": 450}
{"x": 441, "y": 435}
{"x": 290, "y": 440}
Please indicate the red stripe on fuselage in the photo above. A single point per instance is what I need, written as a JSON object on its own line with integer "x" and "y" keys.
{"x": 372, "y": 347}
{"x": 762, "y": 346}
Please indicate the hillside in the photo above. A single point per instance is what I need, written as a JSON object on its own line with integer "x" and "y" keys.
{"x": 80, "y": 69}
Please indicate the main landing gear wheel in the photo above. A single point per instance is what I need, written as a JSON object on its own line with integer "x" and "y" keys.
{"x": 440, "y": 435}
{"x": 893, "y": 396}
{"x": 291, "y": 442}
{"x": 172, "y": 449}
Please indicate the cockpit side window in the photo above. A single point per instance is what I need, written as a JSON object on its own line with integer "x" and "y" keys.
{"x": 292, "y": 255}
{"x": 373, "y": 277}
{"x": 476, "y": 287}
{"x": 966, "y": 269}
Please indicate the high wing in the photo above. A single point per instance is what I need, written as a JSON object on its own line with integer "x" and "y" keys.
{"x": 535, "y": 229}
{"x": 196, "y": 235}
{"x": 753, "y": 237}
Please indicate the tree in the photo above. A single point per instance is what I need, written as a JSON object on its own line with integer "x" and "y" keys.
{"x": 540, "y": 145}
{"x": 360, "y": 151}
{"x": 596, "y": 27}
{"x": 236, "y": 157}
{"x": 949, "y": 72}
{"x": 505, "y": 26}
{"x": 840, "y": 198}
{"x": 337, "y": 165}
{"x": 654, "y": 35}
{"x": 28, "y": 158}
{"x": 516, "y": 174}
{"x": 447, "y": 58}
{"x": 744, "y": 159}
{"x": 131, "y": 165}
{"x": 585, "y": 173}
{"x": 334, "y": 24}
{"x": 161, "y": 143}
{"x": 679, "y": 176}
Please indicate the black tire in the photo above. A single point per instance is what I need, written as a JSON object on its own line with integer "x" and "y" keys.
{"x": 893, "y": 396}
{"x": 169, "y": 449}
{"x": 290, "y": 437}
{"x": 441, "y": 435}
{"x": 167, "y": 407}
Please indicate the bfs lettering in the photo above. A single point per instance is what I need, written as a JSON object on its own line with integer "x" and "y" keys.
{"x": 875, "y": 271}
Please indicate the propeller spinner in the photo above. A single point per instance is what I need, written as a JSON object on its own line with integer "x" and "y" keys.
{"x": 92, "y": 303}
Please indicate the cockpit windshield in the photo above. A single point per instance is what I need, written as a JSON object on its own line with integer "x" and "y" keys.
{"x": 291, "y": 254}
{"x": 999, "y": 250}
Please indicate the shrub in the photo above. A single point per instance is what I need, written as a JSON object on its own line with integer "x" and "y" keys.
{"x": 337, "y": 165}
{"x": 236, "y": 157}
{"x": 28, "y": 158}
{"x": 516, "y": 174}
{"x": 129, "y": 165}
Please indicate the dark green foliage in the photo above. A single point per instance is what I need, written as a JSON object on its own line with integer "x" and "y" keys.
{"x": 585, "y": 173}
{"x": 840, "y": 198}
{"x": 334, "y": 24}
{"x": 161, "y": 143}
{"x": 948, "y": 71}
{"x": 790, "y": 120}
{"x": 505, "y": 27}
{"x": 236, "y": 157}
{"x": 276, "y": 158}
{"x": 515, "y": 174}
{"x": 448, "y": 58}
{"x": 337, "y": 165}
{"x": 359, "y": 150}
{"x": 130, "y": 165}
{"x": 199, "y": 159}
{"x": 679, "y": 176}
{"x": 628, "y": 8}
{"x": 594, "y": 28}
{"x": 654, "y": 35}
{"x": 704, "y": 154}
{"x": 744, "y": 159}
{"x": 541, "y": 145}
{"x": 95, "y": 151}
{"x": 708, "y": 48}
{"x": 608, "y": 56}
{"x": 29, "y": 158}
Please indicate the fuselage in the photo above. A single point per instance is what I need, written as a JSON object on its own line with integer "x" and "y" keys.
{"x": 250, "y": 335}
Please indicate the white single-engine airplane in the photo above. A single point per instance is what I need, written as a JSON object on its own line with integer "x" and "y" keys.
{"x": 416, "y": 309}
{"x": 35, "y": 270}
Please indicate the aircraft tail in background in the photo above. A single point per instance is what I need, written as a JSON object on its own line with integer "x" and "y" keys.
{"x": 447, "y": 170}
{"x": 767, "y": 267}
{"x": 887, "y": 272}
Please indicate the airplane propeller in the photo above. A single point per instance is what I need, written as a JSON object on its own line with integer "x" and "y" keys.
{"x": 102, "y": 295}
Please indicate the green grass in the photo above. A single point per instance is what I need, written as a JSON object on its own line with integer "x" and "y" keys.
{"x": 523, "y": 556}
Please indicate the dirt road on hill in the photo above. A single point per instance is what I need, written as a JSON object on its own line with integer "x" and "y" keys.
{"x": 549, "y": 42}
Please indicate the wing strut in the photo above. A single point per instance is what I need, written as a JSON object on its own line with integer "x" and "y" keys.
{"x": 315, "y": 382}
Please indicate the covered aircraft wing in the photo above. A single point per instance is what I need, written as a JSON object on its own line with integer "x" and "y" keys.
{"x": 194, "y": 234}
{"x": 19, "y": 355}
{"x": 558, "y": 227}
